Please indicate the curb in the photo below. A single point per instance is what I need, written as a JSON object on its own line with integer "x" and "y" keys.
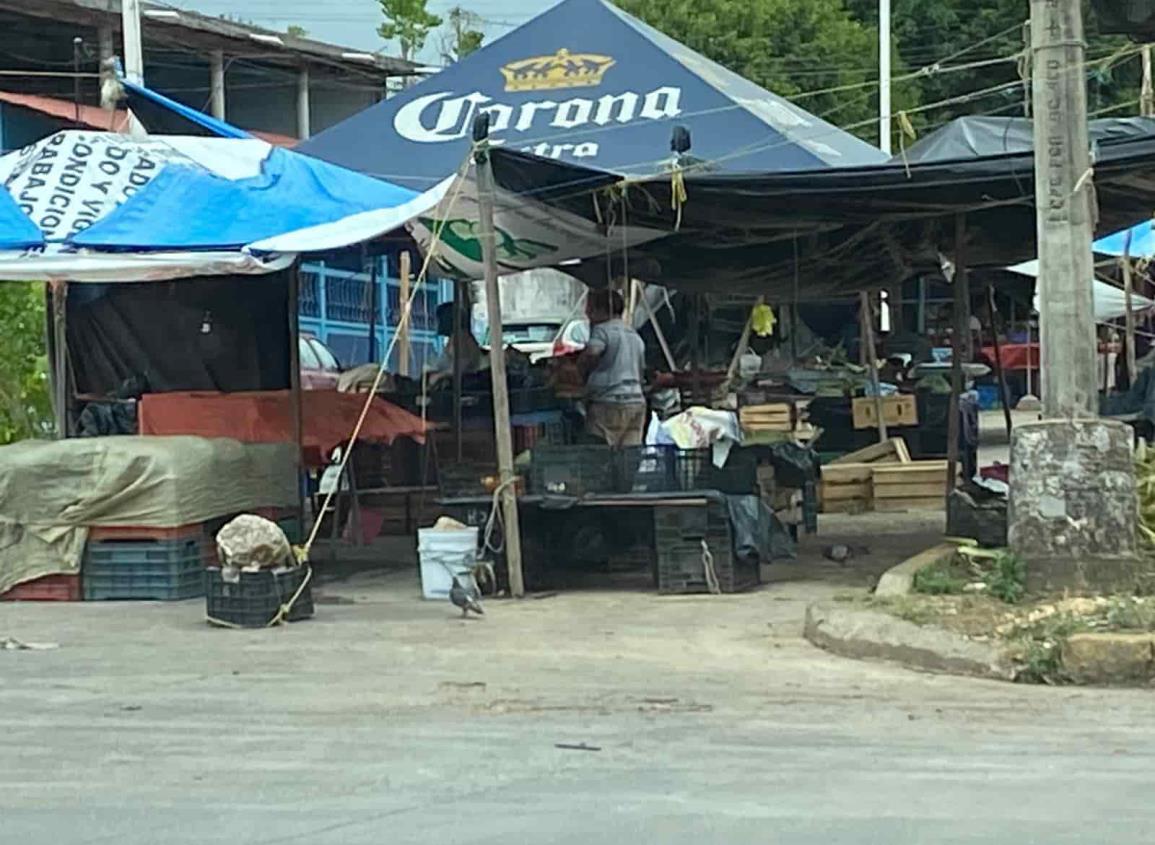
{"x": 899, "y": 580}
{"x": 869, "y": 634}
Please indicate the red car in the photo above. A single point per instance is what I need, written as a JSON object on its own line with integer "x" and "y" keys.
{"x": 319, "y": 366}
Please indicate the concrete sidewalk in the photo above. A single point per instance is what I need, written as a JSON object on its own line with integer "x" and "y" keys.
{"x": 387, "y": 719}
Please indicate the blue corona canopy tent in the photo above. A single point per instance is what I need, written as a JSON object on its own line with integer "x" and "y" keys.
{"x": 582, "y": 83}
{"x": 587, "y": 83}
{"x": 96, "y": 206}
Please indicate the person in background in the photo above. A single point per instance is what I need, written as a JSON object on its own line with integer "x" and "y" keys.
{"x": 613, "y": 363}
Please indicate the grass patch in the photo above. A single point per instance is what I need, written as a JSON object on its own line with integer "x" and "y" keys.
{"x": 941, "y": 578}
{"x": 1007, "y": 578}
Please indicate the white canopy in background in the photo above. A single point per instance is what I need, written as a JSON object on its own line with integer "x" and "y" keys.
{"x": 1110, "y": 303}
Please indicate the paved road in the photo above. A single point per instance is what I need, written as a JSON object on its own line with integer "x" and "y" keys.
{"x": 385, "y": 720}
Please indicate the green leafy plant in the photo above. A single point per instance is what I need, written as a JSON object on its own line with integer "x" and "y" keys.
{"x": 25, "y": 403}
{"x": 1007, "y": 579}
{"x": 939, "y": 579}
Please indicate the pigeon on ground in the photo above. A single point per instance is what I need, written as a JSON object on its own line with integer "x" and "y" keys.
{"x": 466, "y": 597}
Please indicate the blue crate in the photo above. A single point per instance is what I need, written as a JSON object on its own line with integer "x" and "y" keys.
{"x": 166, "y": 570}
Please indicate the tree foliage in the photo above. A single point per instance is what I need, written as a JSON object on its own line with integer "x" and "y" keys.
{"x": 799, "y": 49}
{"x": 25, "y": 406}
{"x": 464, "y": 35}
{"x": 409, "y": 22}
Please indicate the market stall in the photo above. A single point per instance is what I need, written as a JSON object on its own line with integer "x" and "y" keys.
{"x": 171, "y": 268}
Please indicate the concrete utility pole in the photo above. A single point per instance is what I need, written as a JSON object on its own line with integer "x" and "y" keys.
{"x": 1064, "y": 210}
{"x": 884, "y": 75}
{"x": 1072, "y": 502}
{"x": 217, "y": 83}
{"x": 133, "y": 55}
{"x": 133, "y": 52}
{"x": 503, "y": 433}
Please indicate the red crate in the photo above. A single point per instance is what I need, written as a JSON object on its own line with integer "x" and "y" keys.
{"x": 101, "y": 533}
{"x": 48, "y": 588}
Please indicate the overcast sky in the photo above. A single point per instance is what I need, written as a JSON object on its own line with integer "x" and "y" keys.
{"x": 353, "y": 23}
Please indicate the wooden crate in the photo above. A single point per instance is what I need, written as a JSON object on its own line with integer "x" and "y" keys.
{"x": 778, "y": 416}
{"x": 896, "y": 410}
{"x": 920, "y": 485}
{"x": 845, "y": 488}
{"x": 891, "y": 451}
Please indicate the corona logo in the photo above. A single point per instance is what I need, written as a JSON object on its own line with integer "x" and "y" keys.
{"x": 561, "y": 70}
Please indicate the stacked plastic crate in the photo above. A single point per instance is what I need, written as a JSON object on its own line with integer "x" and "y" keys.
{"x": 691, "y": 540}
{"x": 146, "y": 563}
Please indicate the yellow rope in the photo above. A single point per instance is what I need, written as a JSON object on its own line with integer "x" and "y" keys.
{"x": 302, "y": 552}
{"x": 283, "y": 611}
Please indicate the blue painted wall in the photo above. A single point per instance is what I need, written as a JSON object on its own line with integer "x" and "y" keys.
{"x": 336, "y": 304}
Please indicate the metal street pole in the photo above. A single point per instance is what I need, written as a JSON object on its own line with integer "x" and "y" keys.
{"x": 1064, "y": 213}
{"x": 884, "y": 75}
{"x": 503, "y": 434}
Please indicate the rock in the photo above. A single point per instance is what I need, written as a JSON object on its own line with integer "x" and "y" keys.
{"x": 975, "y": 587}
{"x": 1109, "y": 658}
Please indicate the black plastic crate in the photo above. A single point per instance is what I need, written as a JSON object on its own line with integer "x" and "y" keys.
{"x": 149, "y": 570}
{"x": 682, "y": 569}
{"x": 690, "y": 522}
{"x": 255, "y": 600}
{"x": 645, "y": 469}
{"x": 572, "y": 470}
{"x": 695, "y": 470}
{"x": 464, "y": 478}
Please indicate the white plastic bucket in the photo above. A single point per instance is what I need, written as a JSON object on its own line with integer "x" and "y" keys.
{"x": 444, "y": 554}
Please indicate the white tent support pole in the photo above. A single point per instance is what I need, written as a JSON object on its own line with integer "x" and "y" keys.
{"x": 107, "y": 72}
{"x": 503, "y": 433}
{"x": 884, "y": 75}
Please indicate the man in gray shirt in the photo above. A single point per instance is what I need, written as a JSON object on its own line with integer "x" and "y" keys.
{"x": 613, "y": 362}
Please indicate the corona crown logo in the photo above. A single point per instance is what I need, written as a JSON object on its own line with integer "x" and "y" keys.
{"x": 561, "y": 70}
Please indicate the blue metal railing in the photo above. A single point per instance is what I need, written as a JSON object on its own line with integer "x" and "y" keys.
{"x": 337, "y": 306}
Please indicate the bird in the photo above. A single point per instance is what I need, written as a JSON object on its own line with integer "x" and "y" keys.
{"x": 467, "y": 598}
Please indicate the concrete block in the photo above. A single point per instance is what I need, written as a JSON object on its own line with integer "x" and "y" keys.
{"x": 859, "y": 633}
{"x": 1109, "y": 658}
{"x": 899, "y": 580}
{"x": 1073, "y": 504}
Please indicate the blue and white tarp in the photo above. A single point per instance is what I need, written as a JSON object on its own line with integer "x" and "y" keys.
{"x": 97, "y": 206}
{"x": 588, "y": 84}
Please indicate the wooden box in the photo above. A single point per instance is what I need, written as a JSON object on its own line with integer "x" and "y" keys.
{"x": 897, "y": 411}
{"x": 846, "y": 488}
{"x": 920, "y": 485}
{"x": 778, "y": 416}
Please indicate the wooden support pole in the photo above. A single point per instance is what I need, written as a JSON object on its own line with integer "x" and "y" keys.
{"x": 403, "y": 324}
{"x": 460, "y": 301}
{"x": 961, "y": 327}
{"x": 695, "y": 347}
{"x": 503, "y": 433}
{"x": 1129, "y": 317}
{"x": 60, "y": 392}
{"x": 294, "y": 294}
{"x": 1004, "y": 394}
{"x": 870, "y": 359}
{"x": 658, "y": 333}
{"x": 743, "y": 343}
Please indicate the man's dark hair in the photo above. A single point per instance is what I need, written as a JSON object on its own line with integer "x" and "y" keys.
{"x": 607, "y": 302}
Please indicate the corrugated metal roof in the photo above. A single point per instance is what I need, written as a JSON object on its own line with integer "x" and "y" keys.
{"x": 92, "y": 117}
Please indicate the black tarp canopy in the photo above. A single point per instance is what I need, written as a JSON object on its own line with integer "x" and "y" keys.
{"x": 819, "y": 232}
